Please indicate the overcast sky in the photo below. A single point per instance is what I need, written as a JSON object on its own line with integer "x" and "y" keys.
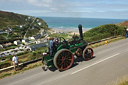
{"x": 117, "y": 9}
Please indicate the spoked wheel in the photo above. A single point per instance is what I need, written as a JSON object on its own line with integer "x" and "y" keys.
{"x": 63, "y": 59}
{"x": 88, "y": 53}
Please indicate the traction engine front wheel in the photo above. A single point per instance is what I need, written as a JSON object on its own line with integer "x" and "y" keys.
{"x": 88, "y": 53}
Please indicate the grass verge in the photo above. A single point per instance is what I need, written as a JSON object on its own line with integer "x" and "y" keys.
{"x": 13, "y": 72}
{"x": 120, "y": 81}
{"x": 103, "y": 42}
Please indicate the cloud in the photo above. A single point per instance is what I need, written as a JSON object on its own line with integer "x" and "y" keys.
{"x": 3, "y": 1}
{"x": 51, "y": 5}
{"x": 41, "y": 3}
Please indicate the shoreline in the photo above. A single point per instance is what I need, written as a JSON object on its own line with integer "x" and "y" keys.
{"x": 66, "y": 30}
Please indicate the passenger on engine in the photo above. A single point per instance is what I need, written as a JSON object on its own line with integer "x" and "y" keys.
{"x": 50, "y": 44}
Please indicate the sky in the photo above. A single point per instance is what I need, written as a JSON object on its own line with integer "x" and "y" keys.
{"x": 112, "y": 9}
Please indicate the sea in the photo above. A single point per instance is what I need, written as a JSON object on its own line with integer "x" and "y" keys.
{"x": 72, "y": 23}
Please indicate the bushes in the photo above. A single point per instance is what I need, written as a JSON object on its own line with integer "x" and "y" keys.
{"x": 59, "y": 34}
{"x": 9, "y": 57}
{"x": 26, "y": 52}
{"x": 35, "y": 55}
{"x": 103, "y": 31}
{"x": 4, "y": 64}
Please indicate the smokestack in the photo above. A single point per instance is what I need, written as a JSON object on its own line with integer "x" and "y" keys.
{"x": 80, "y": 31}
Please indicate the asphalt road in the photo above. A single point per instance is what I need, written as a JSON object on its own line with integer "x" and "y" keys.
{"x": 109, "y": 63}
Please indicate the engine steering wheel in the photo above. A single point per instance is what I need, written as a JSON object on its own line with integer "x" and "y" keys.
{"x": 59, "y": 40}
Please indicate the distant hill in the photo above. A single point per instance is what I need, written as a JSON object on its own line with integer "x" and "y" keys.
{"x": 14, "y": 26}
{"x": 103, "y": 31}
{"x": 125, "y": 23}
{"x": 10, "y": 18}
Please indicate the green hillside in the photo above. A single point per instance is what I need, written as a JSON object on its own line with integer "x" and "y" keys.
{"x": 16, "y": 26}
{"x": 103, "y": 31}
{"x": 125, "y": 23}
{"x": 10, "y": 18}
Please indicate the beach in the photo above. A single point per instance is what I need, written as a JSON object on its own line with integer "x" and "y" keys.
{"x": 66, "y": 30}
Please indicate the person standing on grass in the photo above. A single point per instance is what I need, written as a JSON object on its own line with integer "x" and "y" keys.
{"x": 15, "y": 62}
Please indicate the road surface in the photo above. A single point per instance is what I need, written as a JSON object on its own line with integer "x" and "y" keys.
{"x": 109, "y": 63}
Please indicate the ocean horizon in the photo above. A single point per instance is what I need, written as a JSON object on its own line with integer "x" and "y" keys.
{"x": 72, "y": 22}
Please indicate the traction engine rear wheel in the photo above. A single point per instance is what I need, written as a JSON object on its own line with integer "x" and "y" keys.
{"x": 63, "y": 59}
{"x": 88, "y": 53}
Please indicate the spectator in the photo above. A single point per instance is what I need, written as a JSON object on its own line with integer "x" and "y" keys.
{"x": 126, "y": 32}
{"x": 15, "y": 62}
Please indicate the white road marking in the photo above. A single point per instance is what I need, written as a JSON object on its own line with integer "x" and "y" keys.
{"x": 95, "y": 63}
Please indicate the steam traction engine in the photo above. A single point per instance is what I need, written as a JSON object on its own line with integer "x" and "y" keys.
{"x": 62, "y": 53}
